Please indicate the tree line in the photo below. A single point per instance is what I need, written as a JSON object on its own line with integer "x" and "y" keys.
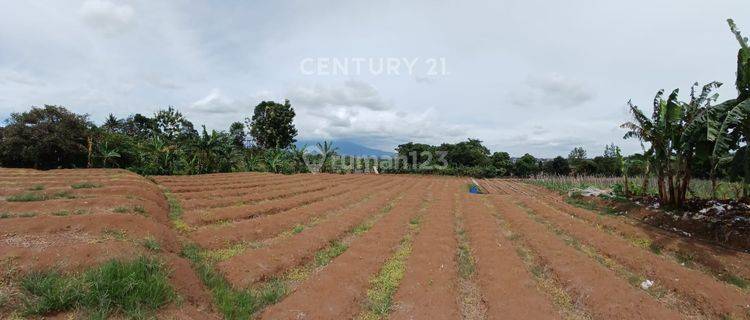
{"x": 166, "y": 143}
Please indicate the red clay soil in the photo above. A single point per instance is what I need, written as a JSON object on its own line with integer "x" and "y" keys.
{"x": 91, "y": 233}
{"x": 250, "y": 211}
{"x": 263, "y": 227}
{"x": 716, "y": 258}
{"x": 207, "y": 186}
{"x": 248, "y": 195}
{"x": 260, "y": 264}
{"x": 712, "y": 297}
{"x": 339, "y": 290}
{"x": 603, "y": 294}
{"x": 508, "y": 288}
{"x": 429, "y": 287}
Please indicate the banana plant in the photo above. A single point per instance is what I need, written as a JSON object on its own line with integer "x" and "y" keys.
{"x": 730, "y": 125}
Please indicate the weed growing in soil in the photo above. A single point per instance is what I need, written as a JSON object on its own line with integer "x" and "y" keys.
{"x": 175, "y": 212}
{"x": 224, "y": 254}
{"x": 140, "y": 210}
{"x": 334, "y": 249}
{"x": 298, "y": 228}
{"x": 63, "y": 195}
{"x": 26, "y": 197}
{"x": 384, "y": 285}
{"x": 114, "y": 234}
{"x": 133, "y": 288}
{"x": 27, "y": 214}
{"x": 61, "y": 213}
{"x": 736, "y": 281}
{"x": 466, "y": 266}
{"x": 151, "y": 244}
{"x": 4, "y": 215}
{"x": 37, "y": 187}
{"x": 85, "y": 185}
{"x": 233, "y": 304}
{"x": 121, "y": 210}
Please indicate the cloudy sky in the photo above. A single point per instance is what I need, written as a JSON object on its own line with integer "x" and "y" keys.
{"x": 523, "y": 76}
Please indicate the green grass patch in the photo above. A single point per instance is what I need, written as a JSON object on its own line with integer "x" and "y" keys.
{"x": 175, "y": 213}
{"x": 61, "y": 213}
{"x": 151, "y": 244}
{"x": 139, "y": 209}
{"x": 27, "y": 214}
{"x": 121, "y": 209}
{"x": 334, "y": 249}
{"x": 85, "y": 185}
{"x": 135, "y": 289}
{"x": 37, "y": 187}
{"x": 466, "y": 266}
{"x": 298, "y": 228}
{"x": 737, "y": 281}
{"x": 63, "y": 195}
{"x": 233, "y": 304}
{"x": 27, "y": 197}
{"x": 4, "y": 215}
{"x": 384, "y": 285}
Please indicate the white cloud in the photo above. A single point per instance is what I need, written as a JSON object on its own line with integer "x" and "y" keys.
{"x": 215, "y": 102}
{"x": 105, "y": 16}
{"x": 551, "y": 89}
{"x": 352, "y": 94}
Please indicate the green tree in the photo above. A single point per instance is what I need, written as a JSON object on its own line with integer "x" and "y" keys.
{"x": 526, "y": 166}
{"x": 469, "y": 153}
{"x": 272, "y": 125}
{"x": 237, "y": 132}
{"x": 576, "y": 160}
{"x": 45, "y": 138}
{"x": 501, "y": 161}
{"x": 558, "y": 166}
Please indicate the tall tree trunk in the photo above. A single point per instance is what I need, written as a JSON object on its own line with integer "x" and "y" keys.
{"x": 746, "y": 182}
{"x": 645, "y": 184}
{"x": 712, "y": 176}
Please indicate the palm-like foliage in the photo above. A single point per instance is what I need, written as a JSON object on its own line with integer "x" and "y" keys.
{"x": 328, "y": 151}
{"x": 107, "y": 154}
{"x": 673, "y": 135}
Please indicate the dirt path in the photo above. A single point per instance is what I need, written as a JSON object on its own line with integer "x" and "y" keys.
{"x": 429, "y": 287}
{"x": 599, "y": 289}
{"x": 338, "y": 291}
{"x": 508, "y": 288}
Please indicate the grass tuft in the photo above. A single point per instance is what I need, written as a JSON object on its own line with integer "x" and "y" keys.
{"x": 37, "y": 187}
{"x": 27, "y": 197}
{"x": 384, "y": 285}
{"x": 151, "y": 243}
{"x": 298, "y": 228}
{"x": 233, "y": 304}
{"x": 334, "y": 249}
{"x": 85, "y": 185}
{"x": 133, "y": 288}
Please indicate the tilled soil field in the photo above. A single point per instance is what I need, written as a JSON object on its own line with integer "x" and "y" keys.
{"x": 324, "y": 246}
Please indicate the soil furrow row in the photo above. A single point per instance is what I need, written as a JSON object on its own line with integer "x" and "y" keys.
{"x": 428, "y": 289}
{"x": 340, "y": 288}
{"x": 704, "y": 291}
{"x": 260, "y": 264}
{"x": 601, "y": 291}
{"x": 507, "y": 286}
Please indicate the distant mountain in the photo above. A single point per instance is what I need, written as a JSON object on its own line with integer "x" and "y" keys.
{"x": 346, "y": 148}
